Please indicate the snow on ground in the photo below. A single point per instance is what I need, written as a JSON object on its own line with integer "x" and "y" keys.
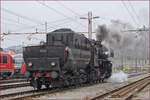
{"x": 118, "y": 77}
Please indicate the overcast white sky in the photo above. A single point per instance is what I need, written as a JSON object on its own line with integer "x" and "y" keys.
{"x": 26, "y": 16}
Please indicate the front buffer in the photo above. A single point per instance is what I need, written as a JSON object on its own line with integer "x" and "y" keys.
{"x": 43, "y": 71}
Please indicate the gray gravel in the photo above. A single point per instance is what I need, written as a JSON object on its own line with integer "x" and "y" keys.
{"x": 144, "y": 94}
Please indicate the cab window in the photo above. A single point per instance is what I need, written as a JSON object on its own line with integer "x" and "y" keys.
{"x": 5, "y": 59}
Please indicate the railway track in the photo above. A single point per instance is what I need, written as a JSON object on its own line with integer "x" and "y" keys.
{"x": 23, "y": 94}
{"x": 35, "y": 93}
{"x": 10, "y": 86}
{"x": 135, "y": 74}
{"x": 12, "y": 81}
{"x": 30, "y": 94}
{"x": 125, "y": 92}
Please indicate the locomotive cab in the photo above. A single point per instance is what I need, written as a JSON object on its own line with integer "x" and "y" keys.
{"x": 6, "y": 65}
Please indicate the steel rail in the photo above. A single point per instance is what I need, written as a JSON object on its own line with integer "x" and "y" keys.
{"x": 4, "y": 87}
{"x": 15, "y": 94}
{"x": 12, "y": 81}
{"x": 119, "y": 91}
{"x": 128, "y": 89}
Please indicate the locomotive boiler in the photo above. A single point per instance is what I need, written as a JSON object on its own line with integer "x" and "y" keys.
{"x": 66, "y": 59}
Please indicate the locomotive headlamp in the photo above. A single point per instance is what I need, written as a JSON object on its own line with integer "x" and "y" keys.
{"x": 53, "y": 63}
{"x": 66, "y": 49}
{"x": 41, "y": 43}
{"x": 106, "y": 53}
{"x": 29, "y": 64}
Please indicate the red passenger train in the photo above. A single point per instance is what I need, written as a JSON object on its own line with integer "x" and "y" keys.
{"x": 23, "y": 68}
{"x": 6, "y": 65}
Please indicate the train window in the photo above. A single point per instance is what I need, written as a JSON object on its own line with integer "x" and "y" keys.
{"x": 4, "y": 59}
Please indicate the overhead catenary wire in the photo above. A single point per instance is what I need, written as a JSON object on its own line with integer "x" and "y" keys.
{"x": 24, "y": 17}
{"x": 30, "y": 36}
{"x": 27, "y": 18}
{"x": 12, "y": 40}
{"x": 50, "y": 26}
{"x": 11, "y": 24}
{"x": 38, "y": 25}
{"x": 61, "y": 24}
{"x": 60, "y": 13}
{"x": 69, "y": 9}
{"x": 130, "y": 14}
{"x": 134, "y": 11}
{"x": 14, "y": 21}
{"x": 21, "y": 16}
{"x": 58, "y": 24}
{"x": 6, "y": 23}
{"x": 106, "y": 19}
{"x": 22, "y": 25}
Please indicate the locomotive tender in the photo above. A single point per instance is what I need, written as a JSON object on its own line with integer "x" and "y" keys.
{"x": 66, "y": 59}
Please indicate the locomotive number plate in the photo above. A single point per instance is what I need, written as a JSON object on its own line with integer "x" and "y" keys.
{"x": 43, "y": 51}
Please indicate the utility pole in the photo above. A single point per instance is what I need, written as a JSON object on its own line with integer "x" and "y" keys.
{"x": 0, "y": 39}
{"x": 89, "y": 23}
{"x": 45, "y": 27}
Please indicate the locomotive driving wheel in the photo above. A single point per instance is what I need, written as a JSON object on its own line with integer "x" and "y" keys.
{"x": 47, "y": 86}
{"x": 36, "y": 84}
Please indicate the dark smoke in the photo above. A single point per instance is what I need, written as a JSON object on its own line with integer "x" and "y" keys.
{"x": 113, "y": 35}
{"x": 117, "y": 37}
{"x": 103, "y": 33}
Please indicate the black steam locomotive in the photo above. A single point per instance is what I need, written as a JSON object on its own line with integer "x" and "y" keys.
{"x": 66, "y": 59}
